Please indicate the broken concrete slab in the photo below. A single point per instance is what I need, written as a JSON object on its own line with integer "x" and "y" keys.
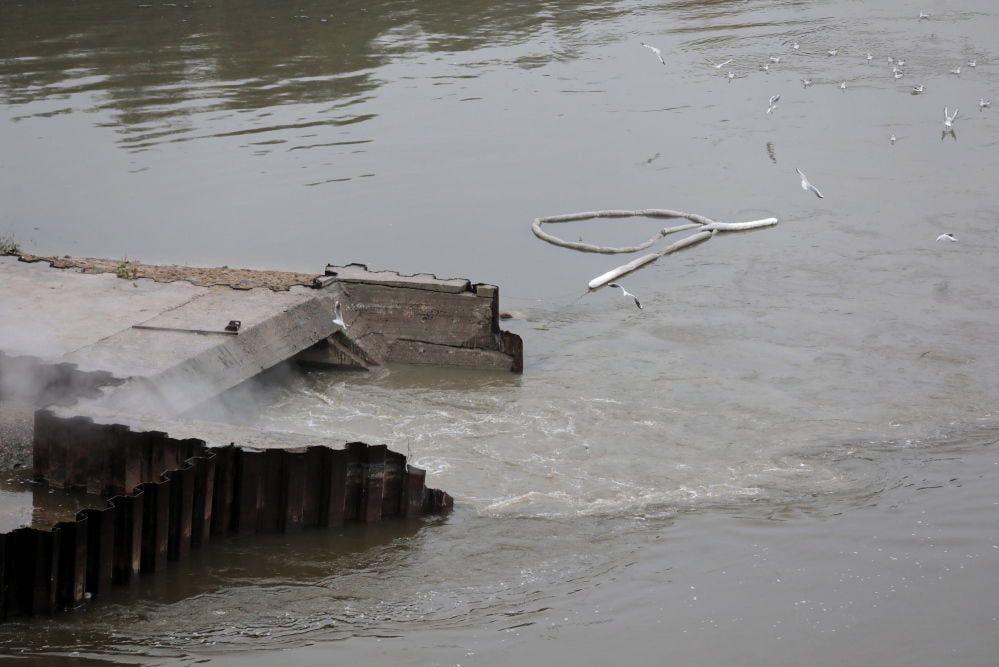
{"x": 422, "y": 319}
{"x": 359, "y": 273}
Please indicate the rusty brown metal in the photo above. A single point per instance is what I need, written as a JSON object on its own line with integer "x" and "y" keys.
{"x": 204, "y": 488}
{"x": 181, "y": 511}
{"x": 335, "y": 478}
{"x": 71, "y": 576}
{"x": 313, "y": 503}
{"x": 357, "y": 453}
{"x": 155, "y": 525}
{"x": 269, "y": 504}
{"x": 374, "y": 483}
{"x": 100, "y": 548}
{"x": 412, "y": 497}
{"x": 247, "y": 490}
{"x": 223, "y": 493}
{"x": 395, "y": 465}
{"x": 206, "y": 492}
{"x": 127, "y": 537}
{"x": 33, "y": 565}
{"x": 293, "y": 491}
{"x": 111, "y": 481}
{"x": 56, "y": 473}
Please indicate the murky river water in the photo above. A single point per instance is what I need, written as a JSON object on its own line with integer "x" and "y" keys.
{"x": 788, "y": 457}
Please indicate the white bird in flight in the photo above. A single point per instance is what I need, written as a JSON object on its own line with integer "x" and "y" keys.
{"x": 901, "y": 63}
{"x": 972, "y": 63}
{"x": 730, "y": 75}
{"x": 806, "y": 186}
{"x": 765, "y": 67}
{"x": 869, "y": 57}
{"x": 918, "y": 89}
{"x": 721, "y": 64}
{"x": 892, "y": 139}
{"x": 924, "y": 15}
{"x": 338, "y": 316}
{"x": 947, "y": 237}
{"x": 842, "y": 86}
{"x": 774, "y": 99}
{"x": 805, "y": 83}
{"x": 796, "y": 46}
{"x": 949, "y": 119}
{"x": 658, "y": 52}
{"x": 982, "y": 103}
{"x": 625, "y": 292}
{"x": 775, "y": 60}
{"x": 832, "y": 52}
{"x": 956, "y": 70}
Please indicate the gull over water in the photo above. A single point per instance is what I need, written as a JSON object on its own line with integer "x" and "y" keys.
{"x": 626, "y": 293}
{"x": 807, "y": 186}
{"x": 658, "y": 52}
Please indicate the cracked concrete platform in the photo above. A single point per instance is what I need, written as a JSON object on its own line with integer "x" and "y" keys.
{"x": 181, "y": 357}
{"x": 167, "y": 343}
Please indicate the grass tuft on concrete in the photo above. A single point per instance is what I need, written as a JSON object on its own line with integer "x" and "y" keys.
{"x": 126, "y": 270}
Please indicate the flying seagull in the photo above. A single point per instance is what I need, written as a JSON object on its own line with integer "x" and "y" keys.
{"x": 658, "y": 52}
{"x": 625, "y": 292}
{"x": 949, "y": 119}
{"x": 842, "y": 86}
{"x": 869, "y": 57}
{"x": 722, "y": 64}
{"x": 806, "y": 186}
{"x": 805, "y": 83}
{"x": 918, "y": 89}
{"x": 775, "y": 60}
{"x": 947, "y": 237}
{"x": 924, "y": 15}
{"x": 982, "y": 103}
{"x": 796, "y": 46}
{"x": 774, "y": 99}
{"x": 832, "y": 52}
{"x": 893, "y": 139}
{"x": 338, "y": 316}
{"x": 956, "y": 70}
{"x": 972, "y": 63}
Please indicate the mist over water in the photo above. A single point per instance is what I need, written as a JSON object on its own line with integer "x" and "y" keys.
{"x": 789, "y": 454}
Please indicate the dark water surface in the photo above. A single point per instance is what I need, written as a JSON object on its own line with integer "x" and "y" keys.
{"x": 788, "y": 457}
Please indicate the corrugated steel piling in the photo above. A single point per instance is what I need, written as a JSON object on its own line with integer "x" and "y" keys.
{"x": 203, "y": 493}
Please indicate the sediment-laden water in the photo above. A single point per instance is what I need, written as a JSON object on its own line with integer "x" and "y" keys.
{"x": 787, "y": 457}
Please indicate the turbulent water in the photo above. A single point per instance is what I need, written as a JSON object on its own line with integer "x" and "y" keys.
{"x": 787, "y": 457}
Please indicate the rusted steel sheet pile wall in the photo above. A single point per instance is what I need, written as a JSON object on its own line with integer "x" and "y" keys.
{"x": 168, "y": 496}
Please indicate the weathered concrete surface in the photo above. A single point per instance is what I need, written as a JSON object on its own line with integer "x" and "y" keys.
{"x": 88, "y": 321}
{"x": 422, "y": 319}
{"x": 49, "y": 313}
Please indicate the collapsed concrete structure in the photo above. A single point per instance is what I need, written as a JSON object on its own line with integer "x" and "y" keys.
{"x": 114, "y": 364}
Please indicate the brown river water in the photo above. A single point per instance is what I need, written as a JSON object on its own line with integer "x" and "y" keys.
{"x": 788, "y": 457}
